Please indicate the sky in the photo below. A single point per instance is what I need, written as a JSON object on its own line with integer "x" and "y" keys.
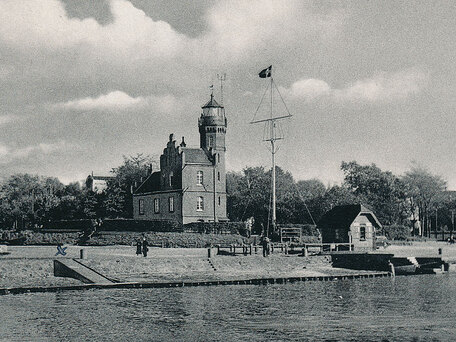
{"x": 84, "y": 83}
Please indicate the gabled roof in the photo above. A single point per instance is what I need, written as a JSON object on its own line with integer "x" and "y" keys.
{"x": 152, "y": 183}
{"x": 212, "y": 103}
{"x": 196, "y": 155}
{"x": 344, "y": 215}
{"x": 105, "y": 178}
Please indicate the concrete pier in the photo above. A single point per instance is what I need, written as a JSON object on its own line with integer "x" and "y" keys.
{"x": 144, "y": 285}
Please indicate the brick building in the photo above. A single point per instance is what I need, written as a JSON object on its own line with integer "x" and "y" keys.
{"x": 191, "y": 183}
{"x": 353, "y": 224}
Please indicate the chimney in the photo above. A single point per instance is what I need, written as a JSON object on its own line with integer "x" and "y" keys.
{"x": 150, "y": 169}
{"x": 183, "y": 144}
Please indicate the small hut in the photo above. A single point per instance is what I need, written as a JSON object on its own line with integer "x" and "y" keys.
{"x": 353, "y": 224}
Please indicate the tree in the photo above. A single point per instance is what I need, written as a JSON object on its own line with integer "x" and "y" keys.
{"x": 424, "y": 192}
{"x": 119, "y": 199}
{"x": 380, "y": 190}
{"x": 28, "y": 199}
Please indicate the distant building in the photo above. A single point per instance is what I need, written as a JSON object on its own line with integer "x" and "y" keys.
{"x": 191, "y": 183}
{"x": 350, "y": 224}
{"x": 97, "y": 184}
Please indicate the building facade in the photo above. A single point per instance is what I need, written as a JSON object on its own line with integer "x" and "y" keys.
{"x": 191, "y": 183}
{"x": 353, "y": 224}
{"x": 98, "y": 184}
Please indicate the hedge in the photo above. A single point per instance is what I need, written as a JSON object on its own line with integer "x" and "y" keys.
{"x": 115, "y": 225}
{"x": 217, "y": 228}
{"x": 397, "y": 232}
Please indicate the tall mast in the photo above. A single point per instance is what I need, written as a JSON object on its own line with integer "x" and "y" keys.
{"x": 273, "y": 151}
{"x": 273, "y": 137}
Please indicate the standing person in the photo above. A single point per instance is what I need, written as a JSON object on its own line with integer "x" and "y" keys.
{"x": 264, "y": 244}
{"x": 268, "y": 246}
{"x": 138, "y": 247}
{"x": 145, "y": 249}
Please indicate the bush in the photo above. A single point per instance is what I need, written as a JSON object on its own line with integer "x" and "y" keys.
{"x": 216, "y": 228}
{"x": 115, "y": 225}
{"x": 397, "y": 232}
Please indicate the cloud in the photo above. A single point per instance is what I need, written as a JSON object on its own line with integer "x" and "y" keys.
{"x": 5, "y": 119}
{"x": 118, "y": 100}
{"x": 38, "y": 24}
{"x": 382, "y": 87}
{"x": 241, "y": 28}
{"x": 113, "y": 100}
{"x": 9, "y": 154}
{"x": 309, "y": 88}
{"x": 385, "y": 86}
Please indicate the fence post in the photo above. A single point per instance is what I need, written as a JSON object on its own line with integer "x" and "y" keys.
{"x": 82, "y": 254}
{"x": 250, "y": 249}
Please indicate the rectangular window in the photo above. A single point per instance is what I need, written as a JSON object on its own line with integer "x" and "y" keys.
{"x": 156, "y": 205}
{"x": 362, "y": 233}
{"x": 199, "y": 178}
{"x": 171, "y": 204}
{"x": 200, "y": 204}
{"x": 219, "y": 200}
{"x": 141, "y": 206}
{"x": 218, "y": 175}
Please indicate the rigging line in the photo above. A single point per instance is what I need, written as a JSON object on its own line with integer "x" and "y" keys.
{"x": 278, "y": 91}
{"x": 302, "y": 199}
{"x": 262, "y": 98}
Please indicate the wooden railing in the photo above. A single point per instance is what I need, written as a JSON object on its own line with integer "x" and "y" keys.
{"x": 303, "y": 249}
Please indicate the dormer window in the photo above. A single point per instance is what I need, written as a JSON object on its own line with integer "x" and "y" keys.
{"x": 199, "y": 178}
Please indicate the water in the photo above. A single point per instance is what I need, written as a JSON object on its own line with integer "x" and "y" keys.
{"x": 416, "y": 308}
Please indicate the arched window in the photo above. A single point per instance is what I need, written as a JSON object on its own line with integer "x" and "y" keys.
{"x": 156, "y": 205}
{"x": 141, "y": 207}
{"x": 200, "y": 203}
{"x": 199, "y": 178}
{"x": 171, "y": 204}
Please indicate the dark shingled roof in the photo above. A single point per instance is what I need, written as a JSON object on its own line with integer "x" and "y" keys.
{"x": 152, "y": 183}
{"x": 344, "y": 215}
{"x": 212, "y": 103}
{"x": 196, "y": 155}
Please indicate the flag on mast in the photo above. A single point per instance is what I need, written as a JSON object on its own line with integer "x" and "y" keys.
{"x": 266, "y": 72}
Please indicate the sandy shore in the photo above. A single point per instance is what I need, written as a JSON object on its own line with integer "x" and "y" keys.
{"x": 33, "y": 265}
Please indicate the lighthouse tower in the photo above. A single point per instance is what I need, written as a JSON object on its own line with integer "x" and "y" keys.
{"x": 212, "y": 128}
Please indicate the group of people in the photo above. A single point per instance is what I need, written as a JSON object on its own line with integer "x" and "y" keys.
{"x": 142, "y": 247}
